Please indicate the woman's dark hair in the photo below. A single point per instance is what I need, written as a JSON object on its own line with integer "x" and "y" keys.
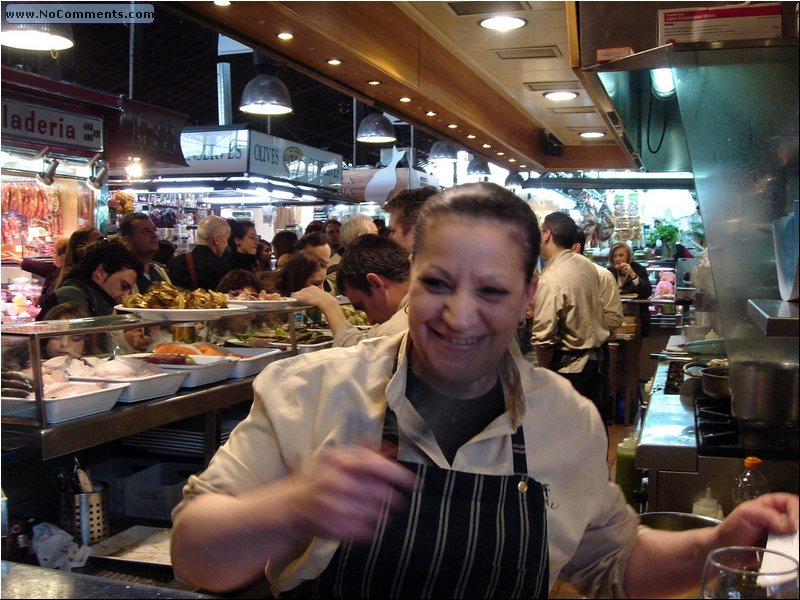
{"x": 239, "y": 229}
{"x": 76, "y": 245}
{"x": 74, "y": 310}
{"x": 314, "y": 226}
{"x": 237, "y": 280}
{"x": 294, "y": 274}
{"x": 112, "y": 254}
{"x": 480, "y": 202}
{"x": 283, "y": 242}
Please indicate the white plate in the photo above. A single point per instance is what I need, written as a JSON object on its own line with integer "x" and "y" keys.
{"x": 178, "y": 315}
{"x": 145, "y": 388}
{"x": 68, "y": 407}
{"x": 262, "y": 304}
{"x": 258, "y": 358}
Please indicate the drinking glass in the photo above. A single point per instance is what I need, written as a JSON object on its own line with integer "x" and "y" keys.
{"x": 749, "y": 572}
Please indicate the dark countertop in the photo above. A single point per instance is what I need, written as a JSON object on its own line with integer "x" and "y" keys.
{"x": 27, "y": 581}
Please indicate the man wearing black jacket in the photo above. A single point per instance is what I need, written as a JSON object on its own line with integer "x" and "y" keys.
{"x": 203, "y": 267}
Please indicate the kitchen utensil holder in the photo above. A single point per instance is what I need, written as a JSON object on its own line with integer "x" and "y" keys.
{"x": 85, "y": 516}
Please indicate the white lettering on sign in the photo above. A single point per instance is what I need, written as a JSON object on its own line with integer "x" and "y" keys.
{"x": 42, "y": 124}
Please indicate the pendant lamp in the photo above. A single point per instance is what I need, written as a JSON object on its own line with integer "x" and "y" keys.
{"x": 442, "y": 151}
{"x": 478, "y": 166}
{"x": 514, "y": 180}
{"x": 45, "y": 37}
{"x": 375, "y": 129}
{"x": 265, "y": 94}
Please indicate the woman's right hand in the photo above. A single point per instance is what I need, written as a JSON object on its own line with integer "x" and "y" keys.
{"x": 346, "y": 490}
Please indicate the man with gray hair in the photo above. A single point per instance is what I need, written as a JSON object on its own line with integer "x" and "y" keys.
{"x": 352, "y": 228}
{"x": 203, "y": 267}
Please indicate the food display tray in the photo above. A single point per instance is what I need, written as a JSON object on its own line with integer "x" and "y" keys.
{"x": 68, "y": 407}
{"x": 145, "y": 388}
{"x": 258, "y": 359}
{"x": 209, "y": 369}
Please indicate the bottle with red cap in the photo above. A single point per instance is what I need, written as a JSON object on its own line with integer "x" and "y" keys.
{"x": 751, "y": 483}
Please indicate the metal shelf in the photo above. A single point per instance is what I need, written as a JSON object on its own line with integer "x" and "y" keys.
{"x": 775, "y": 318}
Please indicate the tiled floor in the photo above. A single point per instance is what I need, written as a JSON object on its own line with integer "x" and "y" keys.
{"x": 616, "y": 433}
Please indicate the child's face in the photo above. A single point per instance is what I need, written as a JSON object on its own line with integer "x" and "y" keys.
{"x": 71, "y": 345}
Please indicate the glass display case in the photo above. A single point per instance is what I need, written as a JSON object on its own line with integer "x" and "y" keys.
{"x": 41, "y": 412}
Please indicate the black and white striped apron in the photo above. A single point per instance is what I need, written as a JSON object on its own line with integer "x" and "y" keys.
{"x": 462, "y": 535}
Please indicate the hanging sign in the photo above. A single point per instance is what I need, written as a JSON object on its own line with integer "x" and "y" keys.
{"x": 48, "y": 126}
{"x": 271, "y": 156}
{"x": 149, "y": 132}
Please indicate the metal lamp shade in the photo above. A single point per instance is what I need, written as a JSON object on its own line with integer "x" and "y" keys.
{"x": 478, "y": 166}
{"x": 44, "y": 37}
{"x": 47, "y": 178}
{"x": 444, "y": 152}
{"x": 375, "y": 129}
{"x": 266, "y": 95}
{"x": 514, "y": 180}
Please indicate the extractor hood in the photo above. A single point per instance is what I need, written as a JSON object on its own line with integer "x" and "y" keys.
{"x": 733, "y": 122}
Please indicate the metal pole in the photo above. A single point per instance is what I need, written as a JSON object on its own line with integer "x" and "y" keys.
{"x": 355, "y": 129}
{"x": 131, "y": 57}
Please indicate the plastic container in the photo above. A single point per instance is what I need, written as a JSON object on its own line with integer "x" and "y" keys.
{"x": 751, "y": 483}
{"x": 628, "y": 477}
{"x": 258, "y": 358}
{"x": 708, "y": 506}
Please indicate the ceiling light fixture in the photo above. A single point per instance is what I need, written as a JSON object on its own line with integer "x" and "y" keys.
{"x": 405, "y": 99}
{"x": 502, "y": 23}
{"x": 285, "y": 35}
{"x": 374, "y": 82}
{"x": 514, "y": 179}
{"x": 47, "y": 177}
{"x": 478, "y": 166}
{"x": 452, "y": 126}
{"x": 265, "y": 94}
{"x": 44, "y": 37}
{"x": 487, "y": 145}
{"x": 222, "y": 2}
{"x": 501, "y": 153}
{"x": 134, "y": 170}
{"x": 334, "y": 62}
{"x": 592, "y": 134}
{"x": 560, "y": 96}
{"x": 663, "y": 85}
{"x": 375, "y": 129}
{"x": 442, "y": 151}
{"x": 471, "y": 136}
{"x": 430, "y": 113}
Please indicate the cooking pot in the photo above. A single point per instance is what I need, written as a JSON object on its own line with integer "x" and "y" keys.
{"x": 714, "y": 380}
{"x": 764, "y": 392}
{"x": 676, "y": 521}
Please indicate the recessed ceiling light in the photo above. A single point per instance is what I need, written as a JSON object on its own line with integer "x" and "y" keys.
{"x": 430, "y": 113}
{"x": 334, "y": 61}
{"x": 501, "y": 153}
{"x": 487, "y": 145}
{"x": 502, "y": 23}
{"x": 512, "y": 160}
{"x": 405, "y": 99}
{"x": 471, "y": 136}
{"x": 374, "y": 82}
{"x": 523, "y": 166}
{"x": 452, "y": 126}
{"x": 285, "y": 35}
{"x": 560, "y": 96}
{"x": 222, "y": 2}
{"x": 592, "y": 134}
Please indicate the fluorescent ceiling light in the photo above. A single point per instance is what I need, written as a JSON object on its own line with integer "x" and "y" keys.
{"x": 592, "y": 134}
{"x": 502, "y": 23}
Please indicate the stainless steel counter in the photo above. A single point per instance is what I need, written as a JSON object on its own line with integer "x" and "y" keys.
{"x": 27, "y": 581}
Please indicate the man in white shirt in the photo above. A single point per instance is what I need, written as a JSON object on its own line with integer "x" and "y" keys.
{"x": 373, "y": 273}
{"x": 568, "y": 323}
{"x": 613, "y": 315}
